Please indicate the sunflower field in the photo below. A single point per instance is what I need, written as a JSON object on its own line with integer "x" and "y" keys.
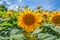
{"x": 29, "y": 24}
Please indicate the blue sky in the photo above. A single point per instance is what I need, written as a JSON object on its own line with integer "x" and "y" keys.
{"x": 46, "y": 4}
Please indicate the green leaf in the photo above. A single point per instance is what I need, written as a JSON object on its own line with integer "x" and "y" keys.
{"x": 48, "y": 25}
{"x": 11, "y": 38}
{"x": 57, "y": 29}
{"x": 37, "y": 31}
{"x": 1, "y": 28}
{"x": 58, "y": 39}
{"x": 46, "y": 36}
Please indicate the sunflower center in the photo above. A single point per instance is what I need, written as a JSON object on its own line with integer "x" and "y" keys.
{"x": 56, "y": 19}
{"x": 29, "y": 19}
{"x": 45, "y": 15}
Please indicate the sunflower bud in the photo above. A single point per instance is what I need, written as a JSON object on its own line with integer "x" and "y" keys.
{"x": 38, "y": 7}
{"x": 18, "y": 6}
{"x": 25, "y": 7}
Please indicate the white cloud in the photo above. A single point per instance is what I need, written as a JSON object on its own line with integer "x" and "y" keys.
{"x": 12, "y": 7}
{"x": 1, "y": 2}
{"x": 8, "y": 2}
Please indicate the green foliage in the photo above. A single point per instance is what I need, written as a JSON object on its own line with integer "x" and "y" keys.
{"x": 47, "y": 32}
{"x": 3, "y": 7}
{"x": 8, "y": 27}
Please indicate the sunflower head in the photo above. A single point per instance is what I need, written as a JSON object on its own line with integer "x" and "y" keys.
{"x": 38, "y": 12}
{"x": 29, "y": 21}
{"x": 41, "y": 10}
{"x": 45, "y": 15}
{"x": 46, "y": 11}
{"x": 55, "y": 18}
{"x": 43, "y": 20}
{"x": 9, "y": 13}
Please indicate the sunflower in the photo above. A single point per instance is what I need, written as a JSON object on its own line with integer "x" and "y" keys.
{"x": 45, "y": 15}
{"x": 43, "y": 20}
{"x": 37, "y": 12}
{"x": 9, "y": 13}
{"x": 41, "y": 10}
{"x": 28, "y": 20}
{"x": 55, "y": 18}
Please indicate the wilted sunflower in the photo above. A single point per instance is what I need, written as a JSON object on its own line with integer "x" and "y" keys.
{"x": 9, "y": 13}
{"x": 55, "y": 18}
{"x": 45, "y": 15}
{"x": 28, "y": 20}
